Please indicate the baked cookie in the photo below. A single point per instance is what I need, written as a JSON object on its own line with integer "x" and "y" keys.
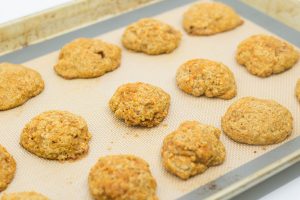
{"x": 298, "y": 90}
{"x": 87, "y": 58}
{"x": 264, "y": 55}
{"x": 151, "y": 36}
{"x": 210, "y": 18}
{"x": 7, "y": 168}
{"x": 204, "y": 77}
{"x": 24, "y": 196}
{"x": 256, "y": 121}
{"x": 122, "y": 177}
{"x": 140, "y": 104}
{"x": 191, "y": 149}
{"x": 18, "y": 84}
{"x": 56, "y": 135}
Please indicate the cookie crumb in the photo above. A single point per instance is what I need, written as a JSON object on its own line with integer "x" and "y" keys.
{"x": 212, "y": 186}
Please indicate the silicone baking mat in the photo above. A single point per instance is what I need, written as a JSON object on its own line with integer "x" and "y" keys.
{"x": 89, "y": 98}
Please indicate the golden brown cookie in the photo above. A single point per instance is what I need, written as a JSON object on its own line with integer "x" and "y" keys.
{"x": 122, "y": 177}
{"x": 191, "y": 149}
{"x": 7, "y": 168}
{"x": 56, "y": 135}
{"x": 18, "y": 84}
{"x": 298, "y": 90}
{"x": 151, "y": 36}
{"x": 24, "y": 196}
{"x": 257, "y": 121}
{"x": 140, "y": 104}
{"x": 87, "y": 58}
{"x": 264, "y": 55}
{"x": 210, "y": 18}
{"x": 205, "y": 77}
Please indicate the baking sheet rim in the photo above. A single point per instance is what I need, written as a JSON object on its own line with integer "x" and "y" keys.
{"x": 257, "y": 177}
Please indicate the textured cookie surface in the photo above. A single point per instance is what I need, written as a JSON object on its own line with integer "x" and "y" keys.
{"x": 257, "y": 121}
{"x": 24, "y": 196}
{"x": 7, "y": 168}
{"x": 87, "y": 58}
{"x": 57, "y": 135}
{"x": 17, "y": 85}
{"x": 122, "y": 177}
{"x": 204, "y": 77}
{"x": 298, "y": 90}
{"x": 264, "y": 55}
{"x": 140, "y": 104}
{"x": 210, "y": 18}
{"x": 191, "y": 149}
{"x": 151, "y": 36}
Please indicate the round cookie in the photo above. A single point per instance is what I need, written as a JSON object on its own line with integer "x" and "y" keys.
{"x": 7, "y": 168}
{"x": 56, "y": 135}
{"x": 264, "y": 55}
{"x": 87, "y": 58}
{"x": 140, "y": 104}
{"x": 151, "y": 36}
{"x": 257, "y": 121}
{"x": 204, "y": 77}
{"x": 122, "y": 177}
{"x": 24, "y": 196}
{"x": 298, "y": 90}
{"x": 17, "y": 85}
{"x": 210, "y": 18}
{"x": 191, "y": 149}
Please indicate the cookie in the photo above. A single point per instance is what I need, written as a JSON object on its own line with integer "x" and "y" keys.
{"x": 257, "y": 121}
{"x": 17, "y": 85}
{"x": 205, "y": 77}
{"x": 140, "y": 104}
{"x": 191, "y": 149}
{"x": 210, "y": 18}
{"x": 264, "y": 55}
{"x": 151, "y": 36}
{"x": 56, "y": 135}
{"x": 122, "y": 177}
{"x": 298, "y": 90}
{"x": 87, "y": 58}
{"x": 7, "y": 168}
{"x": 24, "y": 196}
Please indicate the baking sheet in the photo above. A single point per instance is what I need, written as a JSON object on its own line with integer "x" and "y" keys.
{"x": 89, "y": 98}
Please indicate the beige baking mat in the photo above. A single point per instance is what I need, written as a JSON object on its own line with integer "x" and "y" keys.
{"x": 89, "y": 98}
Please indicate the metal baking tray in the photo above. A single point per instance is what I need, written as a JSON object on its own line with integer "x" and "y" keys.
{"x": 233, "y": 181}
